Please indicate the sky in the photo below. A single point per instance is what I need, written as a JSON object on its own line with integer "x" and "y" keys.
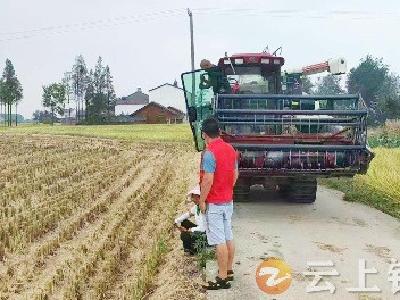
{"x": 147, "y": 43}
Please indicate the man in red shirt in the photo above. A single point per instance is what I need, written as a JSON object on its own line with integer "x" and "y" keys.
{"x": 218, "y": 175}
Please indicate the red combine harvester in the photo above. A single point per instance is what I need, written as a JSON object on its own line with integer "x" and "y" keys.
{"x": 285, "y": 138}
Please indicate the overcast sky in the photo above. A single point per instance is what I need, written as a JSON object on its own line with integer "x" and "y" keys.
{"x": 146, "y": 43}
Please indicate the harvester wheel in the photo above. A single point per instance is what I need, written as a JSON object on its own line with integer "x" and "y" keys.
{"x": 302, "y": 190}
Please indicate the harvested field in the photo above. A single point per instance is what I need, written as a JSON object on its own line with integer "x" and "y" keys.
{"x": 85, "y": 218}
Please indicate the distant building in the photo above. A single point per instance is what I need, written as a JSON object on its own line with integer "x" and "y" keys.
{"x": 177, "y": 111}
{"x": 169, "y": 95}
{"x": 69, "y": 116}
{"x": 131, "y": 103}
{"x": 155, "y": 113}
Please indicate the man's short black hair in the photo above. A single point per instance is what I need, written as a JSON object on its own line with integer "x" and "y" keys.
{"x": 210, "y": 127}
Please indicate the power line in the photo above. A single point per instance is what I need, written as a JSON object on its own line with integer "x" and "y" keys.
{"x": 66, "y": 26}
{"x": 98, "y": 24}
{"x": 283, "y": 13}
{"x": 122, "y": 20}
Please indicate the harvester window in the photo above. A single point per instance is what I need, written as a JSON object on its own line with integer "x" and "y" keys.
{"x": 252, "y": 79}
{"x": 337, "y": 105}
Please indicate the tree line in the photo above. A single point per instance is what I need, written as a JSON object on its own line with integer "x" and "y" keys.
{"x": 92, "y": 92}
{"x": 11, "y": 93}
{"x": 378, "y": 86}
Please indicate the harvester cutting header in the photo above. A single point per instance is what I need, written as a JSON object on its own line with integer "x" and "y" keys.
{"x": 285, "y": 138}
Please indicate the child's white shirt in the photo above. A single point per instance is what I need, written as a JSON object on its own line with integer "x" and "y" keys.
{"x": 199, "y": 219}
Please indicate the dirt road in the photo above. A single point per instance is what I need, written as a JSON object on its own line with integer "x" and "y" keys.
{"x": 330, "y": 229}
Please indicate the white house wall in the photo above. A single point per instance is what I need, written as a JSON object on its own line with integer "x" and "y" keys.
{"x": 169, "y": 96}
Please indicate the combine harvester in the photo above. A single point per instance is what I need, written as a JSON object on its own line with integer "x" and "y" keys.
{"x": 285, "y": 138}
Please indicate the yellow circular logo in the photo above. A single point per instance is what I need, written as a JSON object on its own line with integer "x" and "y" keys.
{"x": 273, "y": 276}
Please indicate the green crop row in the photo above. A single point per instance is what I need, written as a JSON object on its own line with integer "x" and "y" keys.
{"x": 137, "y": 132}
{"x": 379, "y": 188}
{"x": 387, "y": 136}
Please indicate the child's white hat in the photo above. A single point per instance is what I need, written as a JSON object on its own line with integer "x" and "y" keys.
{"x": 194, "y": 191}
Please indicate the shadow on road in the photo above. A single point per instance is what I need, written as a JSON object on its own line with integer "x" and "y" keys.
{"x": 259, "y": 194}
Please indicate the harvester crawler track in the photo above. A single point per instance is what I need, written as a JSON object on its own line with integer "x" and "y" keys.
{"x": 300, "y": 190}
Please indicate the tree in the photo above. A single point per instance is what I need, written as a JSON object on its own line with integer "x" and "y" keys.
{"x": 367, "y": 78}
{"x": 111, "y": 97}
{"x": 54, "y": 98}
{"x": 2, "y": 102}
{"x": 41, "y": 116}
{"x": 95, "y": 89}
{"x": 101, "y": 93}
{"x": 307, "y": 85}
{"x": 11, "y": 91}
{"x": 89, "y": 95}
{"x": 37, "y": 115}
{"x": 388, "y": 99}
{"x": 330, "y": 85}
{"x": 377, "y": 86}
{"x": 79, "y": 76}
{"x": 99, "y": 104}
{"x": 66, "y": 81}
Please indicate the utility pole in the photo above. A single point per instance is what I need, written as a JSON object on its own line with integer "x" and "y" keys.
{"x": 191, "y": 37}
{"x": 193, "y": 94}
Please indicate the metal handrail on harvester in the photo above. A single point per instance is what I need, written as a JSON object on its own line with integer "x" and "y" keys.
{"x": 230, "y": 111}
{"x": 355, "y": 117}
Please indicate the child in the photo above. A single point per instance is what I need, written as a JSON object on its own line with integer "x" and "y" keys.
{"x": 192, "y": 233}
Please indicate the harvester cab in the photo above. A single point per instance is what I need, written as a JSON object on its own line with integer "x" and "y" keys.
{"x": 284, "y": 137}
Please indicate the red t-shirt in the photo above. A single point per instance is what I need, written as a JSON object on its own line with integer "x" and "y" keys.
{"x": 219, "y": 158}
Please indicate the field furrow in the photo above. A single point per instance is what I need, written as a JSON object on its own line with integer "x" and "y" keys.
{"x": 89, "y": 218}
{"x": 89, "y": 245}
{"x": 33, "y": 259}
{"x": 135, "y": 277}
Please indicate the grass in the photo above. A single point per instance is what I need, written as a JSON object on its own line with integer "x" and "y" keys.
{"x": 379, "y": 188}
{"x": 158, "y": 250}
{"x": 204, "y": 253}
{"x": 139, "y": 132}
{"x": 387, "y": 136}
